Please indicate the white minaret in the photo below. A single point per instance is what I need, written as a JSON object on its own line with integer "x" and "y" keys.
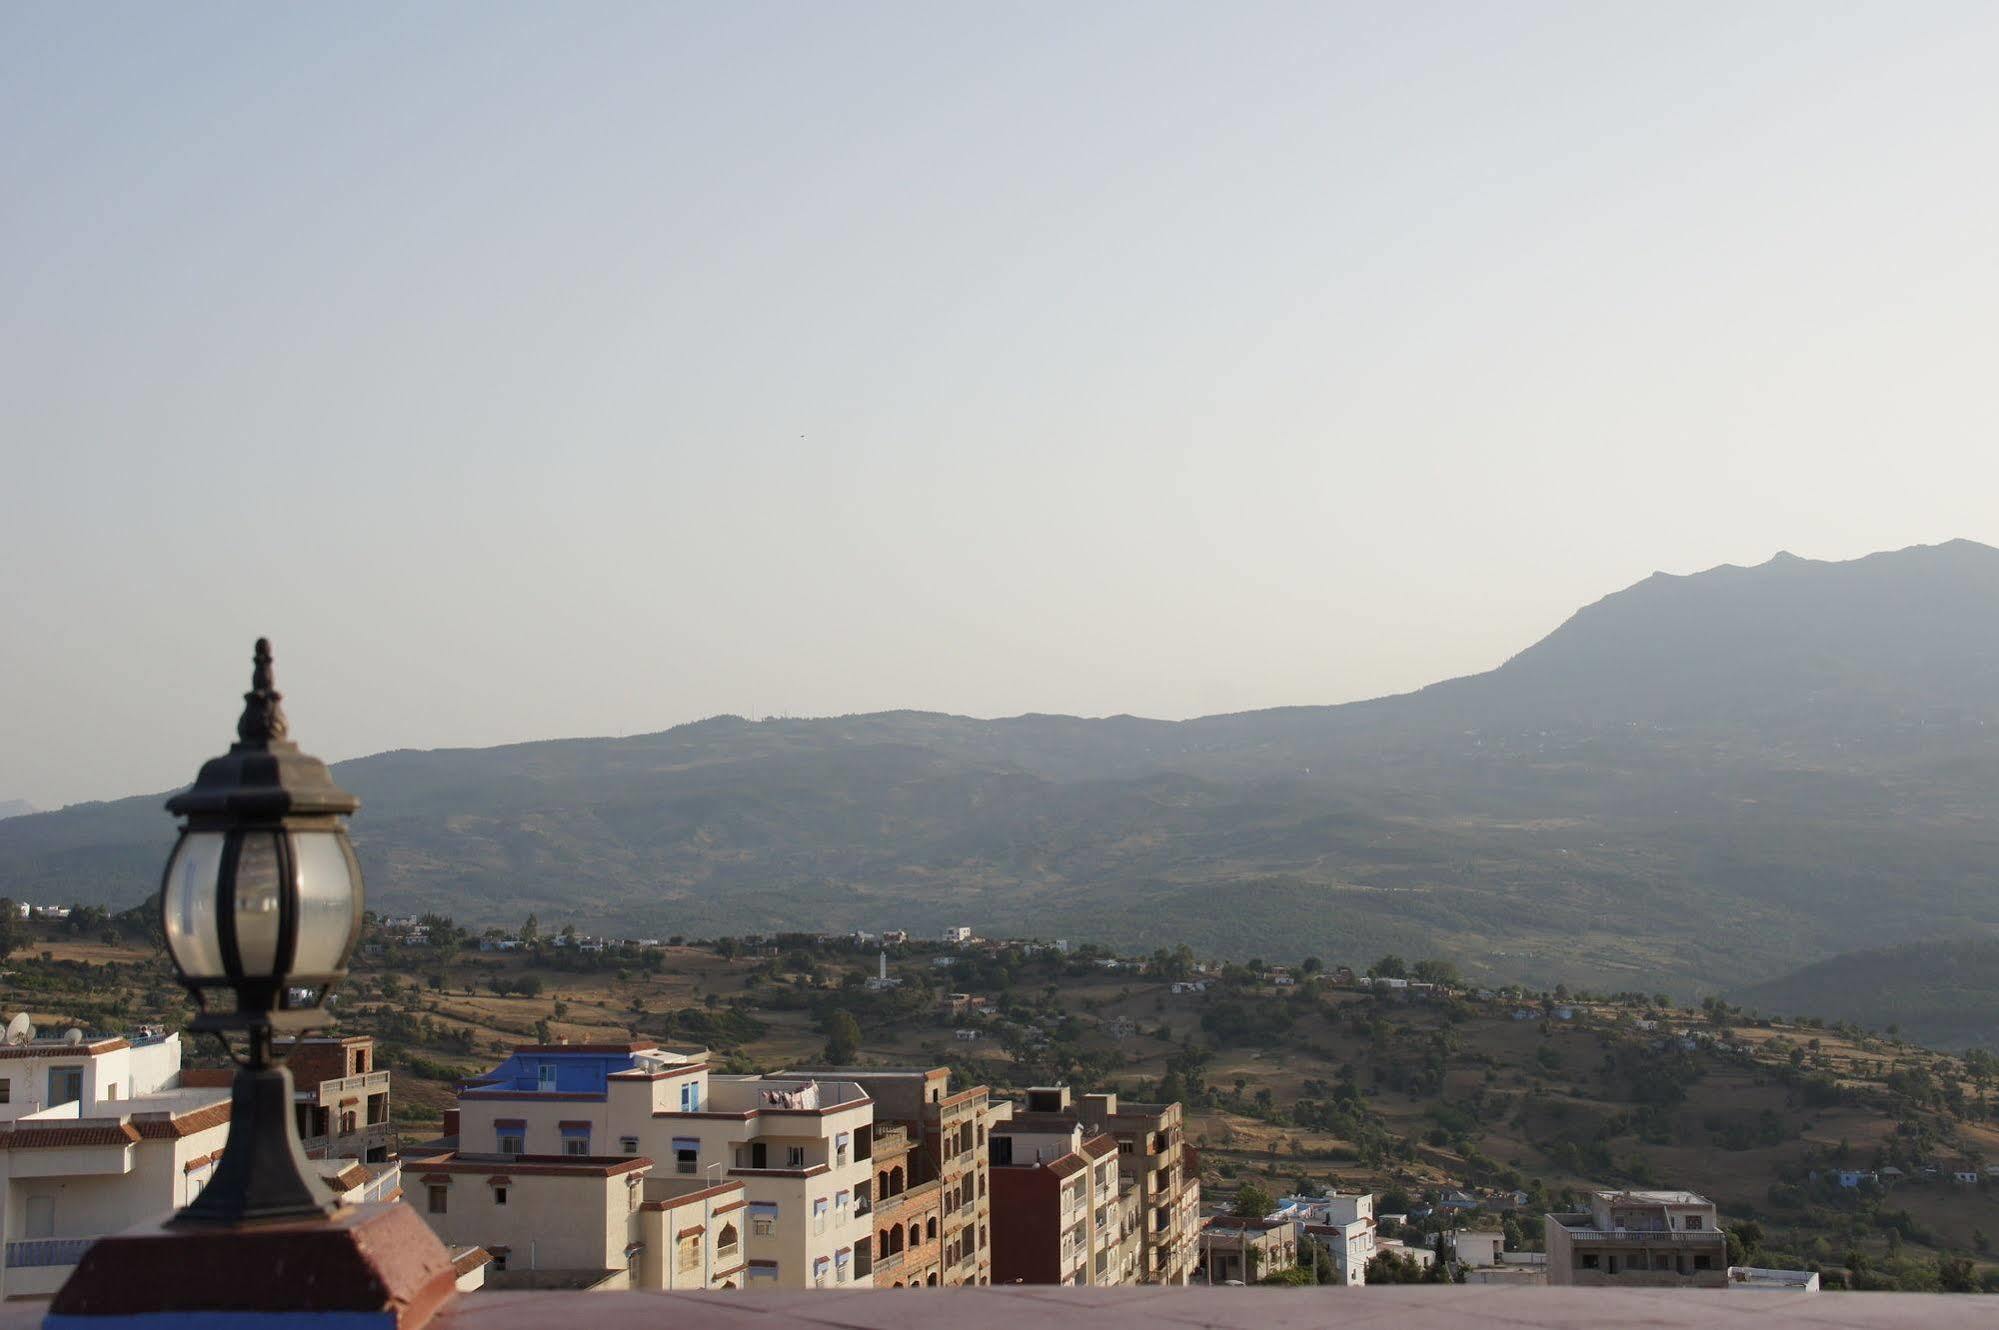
{"x": 882, "y": 974}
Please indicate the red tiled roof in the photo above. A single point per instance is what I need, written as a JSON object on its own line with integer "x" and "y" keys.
{"x": 1099, "y": 1146}
{"x": 57, "y": 1135}
{"x": 160, "y": 1126}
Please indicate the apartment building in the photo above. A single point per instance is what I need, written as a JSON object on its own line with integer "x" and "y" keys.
{"x": 948, "y": 1133}
{"x": 800, "y": 1145}
{"x": 907, "y": 1212}
{"x": 583, "y": 1222}
{"x": 1648, "y": 1239}
{"x": 1154, "y": 1154}
{"x": 342, "y": 1098}
{"x": 1062, "y": 1211}
{"x": 95, "y": 1136}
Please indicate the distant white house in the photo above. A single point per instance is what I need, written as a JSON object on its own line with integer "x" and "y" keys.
{"x": 1190, "y": 986}
{"x": 943, "y": 962}
{"x": 958, "y": 936}
{"x": 965, "y": 1036}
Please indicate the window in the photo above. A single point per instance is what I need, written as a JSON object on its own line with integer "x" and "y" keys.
{"x": 1703, "y": 1262}
{"x": 545, "y": 1076}
{"x": 378, "y": 1109}
{"x": 684, "y": 1160}
{"x": 763, "y": 1226}
{"x": 819, "y": 1215}
{"x": 576, "y": 1145}
{"x": 688, "y": 1254}
{"x": 628, "y": 1144}
{"x": 690, "y": 1097}
{"x": 1589, "y": 1260}
{"x": 727, "y": 1241}
{"x": 439, "y": 1198}
{"x": 499, "y": 1196}
{"x": 1693, "y": 1221}
{"x": 1124, "y": 1147}
{"x": 500, "y": 1260}
{"x": 511, "y": 1142}
{"x": 6, "y": 1090}
{"x": 794, "y": 1156}
{"x": 65, "y": 1085}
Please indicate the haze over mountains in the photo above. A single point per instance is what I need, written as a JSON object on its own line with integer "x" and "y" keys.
{"x": 1697, "y": 782}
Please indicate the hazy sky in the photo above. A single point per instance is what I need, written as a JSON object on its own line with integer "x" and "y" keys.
{"x": 529, "y": 371}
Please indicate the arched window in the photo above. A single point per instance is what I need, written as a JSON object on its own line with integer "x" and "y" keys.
{"x": 982, "y": 1184}
{"x": 895, "y": 1180}
{"x": 933, "y": 1279}
{"x": 915, "y": 1235}
{"x": 725, "y": 1242}
{"x": 881, "y": 1184}
{"x": 933, "y": 1228}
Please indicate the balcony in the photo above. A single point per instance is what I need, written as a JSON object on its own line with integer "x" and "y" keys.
{"x": 35, "y": 1253}
{"x": 1699, "y": 1237}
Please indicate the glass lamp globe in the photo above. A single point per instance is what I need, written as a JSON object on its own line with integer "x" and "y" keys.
{"x": 262, "y": 894}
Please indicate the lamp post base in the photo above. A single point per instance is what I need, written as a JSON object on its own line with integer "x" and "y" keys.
{"x": 369, "y": 1267}
{"x": 263, "y": 1174}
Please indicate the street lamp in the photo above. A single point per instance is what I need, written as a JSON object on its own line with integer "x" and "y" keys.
{"x": 261, "y": 901}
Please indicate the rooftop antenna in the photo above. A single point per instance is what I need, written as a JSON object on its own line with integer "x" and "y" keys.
{"x": 20, "y": 1030}
{"x": 72, "y": 1036}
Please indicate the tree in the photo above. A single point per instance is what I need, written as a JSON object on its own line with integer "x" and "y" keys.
{"x": 1436, "y": 972}
{"x": 1252, "y": 1202}
{"x": 1390, "y": 966}
{"x": 531, "y": 931}
{"x": 843, "y": 1037}
{"x": 1323, "y": 1270}
{"x": 1312, "y": 965}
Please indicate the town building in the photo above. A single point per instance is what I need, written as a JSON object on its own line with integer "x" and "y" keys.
{"x": 1236, "y": 1250}
{"x": 1656, "y": 1239}
{"x": 906, "y": 1212}
{"x": 799, "y": 1145}
{"x": 1152, "y": 1155}
{"x": 957, "y": 936}
{"x": 95, "y": 1136}
{"x": 1062, "y": 1211}
{"x": 947, "y": 1132}
{"x": 1342, "y": 1224}
{"x": 341, "y": 1098}
{"x": 881, "y": 983}
{"x": 584, "y": 1221}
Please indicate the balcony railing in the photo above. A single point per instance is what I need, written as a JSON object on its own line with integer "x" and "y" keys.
{"x": 385, "y": 1184}
{"x": 1704, "y": 1237}
{"x": 46, "y": 1251}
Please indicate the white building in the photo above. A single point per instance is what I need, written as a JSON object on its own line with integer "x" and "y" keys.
{"x": 98, "y": 1136}
{"x": 1343, "y": 1224}
{"x": 881, "y": 983}
{"x": 958, "y": 936}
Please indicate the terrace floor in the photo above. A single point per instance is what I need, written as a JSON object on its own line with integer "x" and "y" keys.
{"x": 1412, "y": 1307}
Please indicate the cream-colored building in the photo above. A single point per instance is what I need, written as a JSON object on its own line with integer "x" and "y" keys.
{"x": 1647, "y": 1239}
{"x": 548, "y": 1221}
{"x": 799, "y": 1145}
{"x": 98, "y": 1136}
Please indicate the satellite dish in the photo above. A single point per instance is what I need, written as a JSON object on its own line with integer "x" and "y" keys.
{"x": 19, "y": 1031}
{"x": 72, "y": 1036}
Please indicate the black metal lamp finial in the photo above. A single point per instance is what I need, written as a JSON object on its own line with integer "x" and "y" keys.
{"x": 263, "y": 713}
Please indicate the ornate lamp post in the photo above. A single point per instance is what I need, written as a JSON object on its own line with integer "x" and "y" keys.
{"x": 261, "y": 900}
{"x": 261, "y": 905}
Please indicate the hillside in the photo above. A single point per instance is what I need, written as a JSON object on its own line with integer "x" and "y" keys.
{"x": 1944, "y": 994}
{"x": 1693, "y": 783}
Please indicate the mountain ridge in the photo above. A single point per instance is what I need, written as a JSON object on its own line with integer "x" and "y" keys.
{"x": 1775, "y": 746}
